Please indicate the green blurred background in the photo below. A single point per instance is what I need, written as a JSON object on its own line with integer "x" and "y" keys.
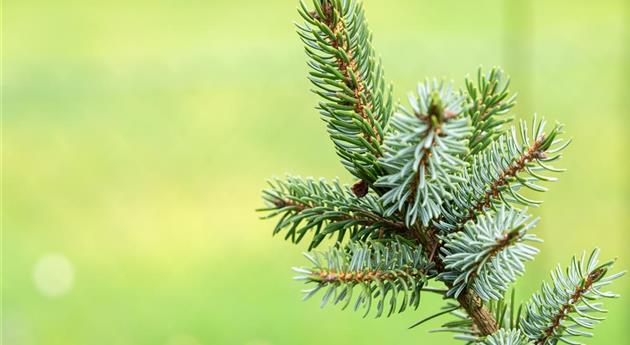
{"x": 138, "y": 135}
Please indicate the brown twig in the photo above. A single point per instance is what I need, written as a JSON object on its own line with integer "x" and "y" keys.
{"x": 331, "y": 276}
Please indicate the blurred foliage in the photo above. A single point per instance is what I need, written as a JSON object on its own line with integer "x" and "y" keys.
{"x": 136, "y": 136}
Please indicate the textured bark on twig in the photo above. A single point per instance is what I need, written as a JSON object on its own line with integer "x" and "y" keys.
{"x": 482, "y": 318}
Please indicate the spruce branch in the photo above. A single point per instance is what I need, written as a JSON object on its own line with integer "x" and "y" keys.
{"x": 391, "y": 273}
{"x": 422, "y": 153}
{"x": 438, "y": 197}
{"x": 487, "y": 256}
{"x": 487, "y": 100}
{"x": 326, "y": 209}
{"x": 356, "y": 103}
{"x": 568, "y": 307}
{"x": 499, "y": 173}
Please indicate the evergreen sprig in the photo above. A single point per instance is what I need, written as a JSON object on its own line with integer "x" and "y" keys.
{"x": 441, "y": 197}
{"x": 423, "y": 153}
{"x": 326, "y": 209}
{"x": 569, "y": 306}
{"x": 391, "y": 275}
{"x": 489, "y": 255}
{"x": 498, "y": 174}
{"x": 356, "y": 103}
{"x": 487, "y": 100}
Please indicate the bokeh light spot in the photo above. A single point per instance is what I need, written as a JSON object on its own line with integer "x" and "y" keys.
{"x": 53, "y": 275}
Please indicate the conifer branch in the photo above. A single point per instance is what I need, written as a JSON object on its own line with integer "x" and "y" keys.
{"x": 567, "y": 306}
{"x": 486, "y": 100}
{"x": 325, "y": 209}
{"x": 436, "y": 198}
{"x": 356, "y": 104}
{"x": 487, "y": 256}
{"x": 422, "y": 153}
{"x": 391, "y": 273}
{"x": 499, "y": 173}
